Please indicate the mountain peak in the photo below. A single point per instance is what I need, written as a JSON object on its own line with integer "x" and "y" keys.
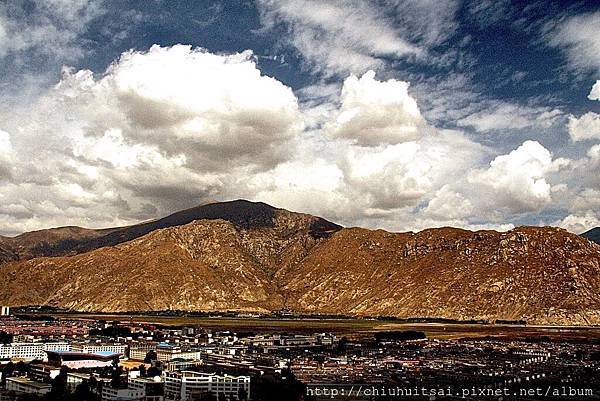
{"x": 70, "y": 240}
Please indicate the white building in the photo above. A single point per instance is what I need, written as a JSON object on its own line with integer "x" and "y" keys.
{"x": 30, "y": 351}
{"x": 152, "y": 388}
{"x": 99, "y": 348}
{"x": 24, "y": 385}
{"x": 4, "y": 311}
{"x": 182, "y": 386}
{"x": 121, "y": 394}
{"x": 23, "y": 351}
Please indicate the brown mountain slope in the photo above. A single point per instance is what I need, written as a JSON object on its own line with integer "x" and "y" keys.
{"x": 281, "y": 259}
{"x": 206, "y": 264}
{"x": 545, "y": 275}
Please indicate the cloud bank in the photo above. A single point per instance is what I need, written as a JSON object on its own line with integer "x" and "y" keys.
{"x": 172, "y": 127}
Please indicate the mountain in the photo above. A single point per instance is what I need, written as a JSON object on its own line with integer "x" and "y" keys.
{"x": 250, "y": 256}
{"x": 592, "y": 235}
{"x": 73, "y": 240}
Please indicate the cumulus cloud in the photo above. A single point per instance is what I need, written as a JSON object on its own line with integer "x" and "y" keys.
{"x": 585, "y": 127}
{"x": 172, "y": 127}
{"x": 579, "y": 223}
{"x": 167, "y": 127}
{"x": 220, "y": 107}
{"x": 374, "y": 112}
{"x": 449, "y": 204}
{"x": 6, "y": 154}
{"x": 517, "y": 180}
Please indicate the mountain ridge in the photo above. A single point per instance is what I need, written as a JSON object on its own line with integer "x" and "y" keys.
{"x": 49, "y": 242}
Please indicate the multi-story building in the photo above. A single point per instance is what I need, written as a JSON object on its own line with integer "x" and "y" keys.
{"x": 99, "y": 348}
{"x": 74, "y": 379}
{"x": 4, "y": 311}
{"x": 152, "y": 388}
{"x": 181, "y": 364}
{"x": 140, "y": 350}
{"x": 30, "y": 351}
{"x": 23, "y": 351}
{"x": 166, "y": 352}
{"x": 121, "y": 394}
{"x": 43, "y": 372}
{"x": 57, "y": 347}
{"x": 25, "y": 385}
{"x": 185, "y": 385}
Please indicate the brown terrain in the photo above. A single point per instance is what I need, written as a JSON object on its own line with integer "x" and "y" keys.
{"x": 250, "y": 256}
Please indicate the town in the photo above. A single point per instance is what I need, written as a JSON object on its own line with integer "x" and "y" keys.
{"x": 43, "y": 358}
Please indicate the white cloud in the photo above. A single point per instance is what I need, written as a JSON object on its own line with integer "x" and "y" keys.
{"x": 374, "y": 112}
{"x": 594, "y": 153}
{"x": 595, "y": 91}
{"x": 5, "y": 144}
{"x": 517, "y": 180}
{"x": 219, "y": 108}
{"x": 449, "y": 204}
{"x": 6, "y": 155}
{"x": 337, "y": 37}
{"x": 172, "y": 127}
{"x": 49, "y": 28}
{"x": 168, "y": 127}
{"x": 501, "y": 116}
{"x": 579, "y": 223}
{"x": 585, "y": 127}
{"x": 579, "y": 39}
{"x": 587, "y": 199}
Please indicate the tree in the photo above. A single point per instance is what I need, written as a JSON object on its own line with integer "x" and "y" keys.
{"x": 143, "y": 372}
{"x": 153, "y": 371}
{"x": 8, "y": 371}
{"x": 82, "y": 391}
{"x": 150, "y": 356}
{"x": 5, "y": 338}
{"x": 59, "y": 386}
{"x": 93, "y": 384}
{"x": 115, "y": 376}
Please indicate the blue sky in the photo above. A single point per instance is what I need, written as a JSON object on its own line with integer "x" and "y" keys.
{"x": 401, "y": 114}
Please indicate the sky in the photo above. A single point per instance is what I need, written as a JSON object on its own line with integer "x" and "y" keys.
{"x": 393, "y": 114}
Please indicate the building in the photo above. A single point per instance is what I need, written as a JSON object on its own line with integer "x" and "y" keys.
{"x": 74, "y": 379}
{"x": 29, "y": 351}
{"x": 152, "y": 388}
{"x": 185, "y": 385}
{"x": 25, "y": 385}
{"x": 43, "y": 372}
{"x": 181, "y": 364}
{"x": 23, "y": 351}
{"x": 4, "y": 311}
{"x": 139, "y": 351}
{"x": 80, "y": 360}
{"x": 165, "y": 352}
{"x": 99, "y": 348}
{"x": 121, "y": 394}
